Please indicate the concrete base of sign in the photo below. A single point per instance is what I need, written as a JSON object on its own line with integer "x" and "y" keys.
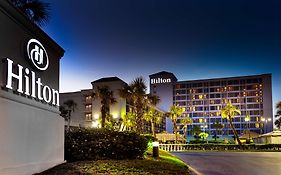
{"x": 31, "y": 139}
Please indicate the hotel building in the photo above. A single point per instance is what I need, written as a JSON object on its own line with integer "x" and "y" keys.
{"x": 87, "y": 112}
{"x": 204, "y": 99}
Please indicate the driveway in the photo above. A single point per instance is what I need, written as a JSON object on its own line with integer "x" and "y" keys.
{"x": 233, "y": 163}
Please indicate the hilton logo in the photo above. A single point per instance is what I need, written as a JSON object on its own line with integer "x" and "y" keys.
{"x": 37, "y": 54}
{"x": 27, "y": 81}
{"x": 160, "y": 80}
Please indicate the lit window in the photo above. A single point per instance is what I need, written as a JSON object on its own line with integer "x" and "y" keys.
{"x": 257, "y": 125}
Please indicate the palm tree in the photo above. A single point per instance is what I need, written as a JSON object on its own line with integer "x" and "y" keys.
{"x": 203, "y": 135}
{"x": 136, "y": 96}
{"x": 70, "y": 107}
{"x": 154, "y": 117}
{"x": 106, "y": 98}
{"x": 186, "y": 121}
{"x": 278, "y": 114}
{"x": 128, "y": 121}
{"x": 36, "y": 10}
{"x": 228, "y": 112}
{"x": 174, "y": 113}
{"x": 278, "y": 123}
{"x": 217, "y": 126}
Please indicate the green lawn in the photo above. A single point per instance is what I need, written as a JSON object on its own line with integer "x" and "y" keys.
{"x": 166, "y": 164}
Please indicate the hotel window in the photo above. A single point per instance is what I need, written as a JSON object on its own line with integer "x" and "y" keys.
{"x": 212, "y": 89}
{"x": 88, "y": 116}
{"x": 230, "y": 82}
{"x": 215, "y": 83}
{"x": 253, "y": 106}
{"x": 255, "y": 112}
{"x": 206, "y": 90}
{"x": 182, "y": 86}
{"x": 180, "y": 103}
{"x": 88, "y": 107}
{"x": 236, "y": 88}
{"x": 257, "y": 125}
{"x": 181, "y": 97}
{"x": 199, "y": 108}
{"x": 237, "y": 125}
{"x": 180, "y": 92}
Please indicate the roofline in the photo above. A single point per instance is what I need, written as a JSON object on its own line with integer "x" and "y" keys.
{"x": 226, "y": 78}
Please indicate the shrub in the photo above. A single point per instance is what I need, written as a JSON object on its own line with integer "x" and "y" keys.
{"x": 93, "y": 144}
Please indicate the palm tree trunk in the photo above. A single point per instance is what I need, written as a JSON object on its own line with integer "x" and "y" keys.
{"x": 175, "y": 132}
{"x": 235, "y": 132}
{"x": 153, "y": 129}
{"x": 68, "y": 120}
{"x": 216, "y": 133}
{"x": 184, "y": 134}
{"x": 103, "y": 116}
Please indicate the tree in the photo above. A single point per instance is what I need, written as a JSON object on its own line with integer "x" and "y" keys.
{"x": 217, "y": 126}
{"x": 278, "y": 114}
{"x": 196, "y": 130}
{"x": 154, "y": 117}
{"x": 36, "y": 10}
{"x": 106, "y": 98}
{"x": 136, "y": 96}
{"x": 278, "y": 122}
{"x": 128, "y": 121}
{"x": 228, "y": 112}
{"x": 174, "y": 113}
{"x": 70, "y": 106}
{"x": 186, "y": 121}
{"x": 203, "y": 135}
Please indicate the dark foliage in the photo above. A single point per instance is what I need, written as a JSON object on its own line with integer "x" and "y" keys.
{"x": 94, "y": 144}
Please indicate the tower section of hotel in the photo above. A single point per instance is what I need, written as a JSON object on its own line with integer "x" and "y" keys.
{"x": 204, "y": 99}
{"x": 31, "y": 129}
{"x": 161, "y": 84}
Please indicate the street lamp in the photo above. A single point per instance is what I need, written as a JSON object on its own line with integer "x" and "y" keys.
{"x": 265, "y": 120}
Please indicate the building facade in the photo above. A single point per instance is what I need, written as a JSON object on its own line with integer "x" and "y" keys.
{"x": 87, "y": 111}
{"x": 204, "y": 99}
{"x": 81, "y": 111}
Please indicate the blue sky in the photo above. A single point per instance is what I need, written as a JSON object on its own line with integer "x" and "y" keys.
{"x": 194, "y": 39}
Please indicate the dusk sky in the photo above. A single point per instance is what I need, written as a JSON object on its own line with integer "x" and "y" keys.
{"x": 196, "y": 39}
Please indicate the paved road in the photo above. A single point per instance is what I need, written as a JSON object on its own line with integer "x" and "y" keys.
{"x": 233, "y": 163}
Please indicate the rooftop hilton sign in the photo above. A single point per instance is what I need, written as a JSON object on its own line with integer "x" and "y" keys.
{"x": 27, "y": 82}
{"x": 160, "y": 80}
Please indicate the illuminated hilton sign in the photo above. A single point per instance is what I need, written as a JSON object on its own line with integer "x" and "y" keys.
{"x": 160, "y": 80}
{"x": 38, "y": 58}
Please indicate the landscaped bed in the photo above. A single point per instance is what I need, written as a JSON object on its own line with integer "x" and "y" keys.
{"x": 166, "y": 164}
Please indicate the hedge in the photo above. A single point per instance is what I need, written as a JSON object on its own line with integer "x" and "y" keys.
{"x": 94, "y": 144}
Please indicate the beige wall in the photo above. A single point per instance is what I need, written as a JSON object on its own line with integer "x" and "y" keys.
{"x": 119, "y": 108}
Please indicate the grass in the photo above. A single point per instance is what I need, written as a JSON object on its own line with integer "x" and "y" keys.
{"x": 165, "y": 165}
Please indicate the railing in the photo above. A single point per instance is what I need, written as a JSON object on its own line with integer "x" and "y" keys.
{"x": 173, "y": 147}
{"x": 218, "y": 147}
